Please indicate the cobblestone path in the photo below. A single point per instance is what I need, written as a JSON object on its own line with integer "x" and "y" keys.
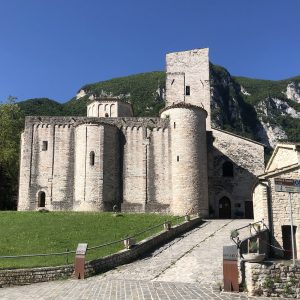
{"x": 190, "y": 267}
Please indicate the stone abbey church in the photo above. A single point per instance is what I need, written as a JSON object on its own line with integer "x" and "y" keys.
{"x": 173, "y": 164}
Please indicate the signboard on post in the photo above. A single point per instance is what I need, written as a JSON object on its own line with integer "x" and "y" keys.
{"x": 230, "y": 268}
{"x": 80, "y": 260}
{"x": 287, "y": 185}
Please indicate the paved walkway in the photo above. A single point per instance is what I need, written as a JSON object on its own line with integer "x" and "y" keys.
{"x": 190, "y": 267}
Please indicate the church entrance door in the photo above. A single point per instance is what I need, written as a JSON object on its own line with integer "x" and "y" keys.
{"x": 224, "y": 208}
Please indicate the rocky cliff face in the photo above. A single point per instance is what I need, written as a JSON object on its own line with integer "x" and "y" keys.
{"x": 267, "y": 111}
{"x": 264, "y": 110}
{"x": 293, "y": 91}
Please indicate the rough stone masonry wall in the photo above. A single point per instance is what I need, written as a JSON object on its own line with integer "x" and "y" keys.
{"x": 247, "y": 158}
{"x": 26, "y": 276}
{"x": 284, "y": 157}
{"x": 273, "y": 279}
{"x": 49, "y": 170}
{"x": 146, "y": 168}
{"x": 25, "y": 168}
{"x": 137, "y": 146}
{"x": 89, "y": 178}
{"x": 189, "y": 160}
{"x": 100, "y": 109}
{"x": 280, "y": 212}
{"x": 189, "y": 68}
{"x": 260, "y": 202}
{"x": 111, "y": 168}
{"x": 113, "y": 109}
{"x": 159, "y": 177}
{"x": 63, "y": 168}
{"x": 134, "y": 165}
{"x": 70, "y": 142}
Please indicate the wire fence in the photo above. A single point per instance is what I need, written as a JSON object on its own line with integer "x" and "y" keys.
{"x": 117, "y": 245}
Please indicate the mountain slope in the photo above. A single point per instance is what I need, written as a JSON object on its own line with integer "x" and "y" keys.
{"x": 264, "y": 110}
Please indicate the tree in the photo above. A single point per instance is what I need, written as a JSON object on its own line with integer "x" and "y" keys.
{"x": 11, "y": 125}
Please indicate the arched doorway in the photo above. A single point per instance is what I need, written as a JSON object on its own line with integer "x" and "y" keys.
{"x": 224, "y": 208}
{"x": 41, "y": 199}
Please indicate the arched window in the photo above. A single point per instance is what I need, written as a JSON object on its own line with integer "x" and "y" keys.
{"x": 41, "y": 199}
{"x": 227, "y": 169}
{"x": 92, "y": 158}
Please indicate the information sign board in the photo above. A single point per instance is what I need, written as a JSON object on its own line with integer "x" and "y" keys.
{"x": 81, "y": 249}
{"x": 287, "y": 185}
{"x": 230, "y": 252}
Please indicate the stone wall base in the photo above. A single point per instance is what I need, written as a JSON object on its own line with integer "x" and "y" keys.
{"x": 10, "y": 277}
{"x": 273, "y": 279}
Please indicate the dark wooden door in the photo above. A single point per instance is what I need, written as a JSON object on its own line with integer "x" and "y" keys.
{"x": 287, "y": 241}
{"x": 224, "y": 208}
{"x": 248, "y": 209}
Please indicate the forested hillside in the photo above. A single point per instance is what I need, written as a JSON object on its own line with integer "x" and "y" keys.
{"x": 264, "y": 110}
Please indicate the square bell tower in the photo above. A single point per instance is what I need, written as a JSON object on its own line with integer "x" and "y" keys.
{"x": 188, "y": 79}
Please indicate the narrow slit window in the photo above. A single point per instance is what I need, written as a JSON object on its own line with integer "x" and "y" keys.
{"x": 92, "y": 158}
{"x": 42, "y": 199}
{"x": 106, "y": 115}
{"x": 174, "y": 125}
{"x": 45, "y": 146}
{"x": 177, "y": 157}
{"x": 187, "y": 90}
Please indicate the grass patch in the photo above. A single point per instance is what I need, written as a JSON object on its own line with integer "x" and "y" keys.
{"x": 36, "y": 232}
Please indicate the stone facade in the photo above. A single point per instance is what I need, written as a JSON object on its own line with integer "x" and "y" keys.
{"x": 108, "y": 107}
{"x": 273, "y": 205}
{"x": 273, "y": 279}
{"x": 188, "y": 79}
{"x": 172, "y": 164}
{"x": 246, "y": 158}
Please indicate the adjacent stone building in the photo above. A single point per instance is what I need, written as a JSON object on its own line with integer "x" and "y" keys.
{"x": 173, "y": 164}
{"x": 273, "y": 205}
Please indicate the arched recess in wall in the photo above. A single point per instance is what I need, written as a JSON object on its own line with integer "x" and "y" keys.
{"x": 112, "y": 110}
{"x": 41, "y": 199}
{"x": 99, "y": 109}
{"x": 92, "y": 109}
{"x": 227, "y": 169}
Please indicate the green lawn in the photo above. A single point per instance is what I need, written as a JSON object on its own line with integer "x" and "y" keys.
{"x": 37, "y": 232}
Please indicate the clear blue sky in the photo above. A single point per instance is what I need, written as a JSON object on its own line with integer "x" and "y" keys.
{"x": 50, "y": 48}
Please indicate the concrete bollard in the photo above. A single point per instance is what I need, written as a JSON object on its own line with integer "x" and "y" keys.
{"x": 128, "y": 243}
{"x": 187, "y": 218}
{"x": 167, "y": 225}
